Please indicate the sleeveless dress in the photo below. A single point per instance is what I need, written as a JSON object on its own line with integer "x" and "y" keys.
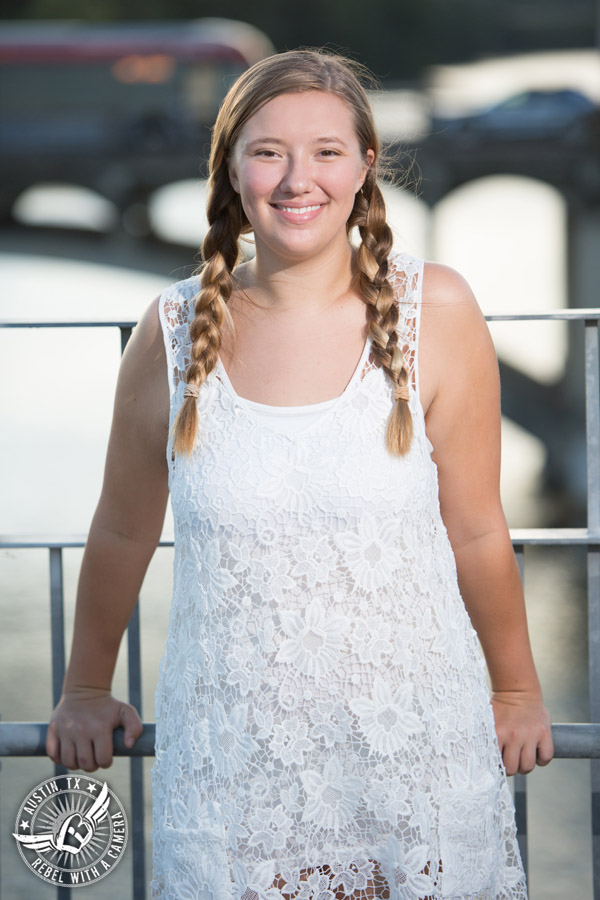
{"x": 323, "y": 724}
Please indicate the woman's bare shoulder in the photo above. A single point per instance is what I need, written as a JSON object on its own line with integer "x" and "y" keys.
{"x": 443, "y": 286}
{"x": 143, "y": 383}
{"x": 145, "y": 349}
{"x": 148, "y": 328}
{"x": 449, "y": 305}
{"x": 454, "y": 337}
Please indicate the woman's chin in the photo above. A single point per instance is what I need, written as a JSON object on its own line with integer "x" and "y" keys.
{"x": 301, "y": 248}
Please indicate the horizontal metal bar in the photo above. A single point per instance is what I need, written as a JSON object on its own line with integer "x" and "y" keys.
{"x": 591, "y": 314}
{"x": 31, "y": 542}
{"x": 541, "y": 536}
{"x": 54, "y": 324}
{"x": 576, "y": 740}
{"x": 552, "y": 536}
{"x": 571, "y": 740}
{"x": 29, "y": 739}
{"x": 582, "y": 314}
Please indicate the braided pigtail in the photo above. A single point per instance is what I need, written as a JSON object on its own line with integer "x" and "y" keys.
{"x": 220, "y": 251}
{"x": 376, "y": 290}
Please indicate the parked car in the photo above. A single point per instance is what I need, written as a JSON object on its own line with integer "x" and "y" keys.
{"x": 565, "y": 114}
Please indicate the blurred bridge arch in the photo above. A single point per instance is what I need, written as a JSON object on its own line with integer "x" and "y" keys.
{"x": 448, "y": 164}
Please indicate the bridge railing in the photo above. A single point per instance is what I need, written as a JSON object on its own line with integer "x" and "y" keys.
{"x": 572, "y": 740}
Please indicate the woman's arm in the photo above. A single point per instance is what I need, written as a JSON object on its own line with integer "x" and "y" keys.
{"x": 123, "y": 536}
{"x": 463, "y": 424}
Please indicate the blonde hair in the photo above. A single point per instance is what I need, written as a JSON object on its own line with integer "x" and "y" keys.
{"x": 295, "y": 71}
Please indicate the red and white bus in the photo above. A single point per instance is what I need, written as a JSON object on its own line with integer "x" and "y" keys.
{"x": 119, "y": 108}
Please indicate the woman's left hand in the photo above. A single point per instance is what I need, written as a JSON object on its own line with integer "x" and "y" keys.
{"x": 523, "y": 730}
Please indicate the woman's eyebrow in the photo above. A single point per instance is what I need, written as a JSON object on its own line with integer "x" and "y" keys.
{"x": 264, "y": 140}
{"x": 331, "y": 140}
{"x": 274, "y": 140}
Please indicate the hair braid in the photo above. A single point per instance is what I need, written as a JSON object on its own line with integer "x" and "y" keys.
{"x": 220, "y": 251}
{"x": 376, "y": 291}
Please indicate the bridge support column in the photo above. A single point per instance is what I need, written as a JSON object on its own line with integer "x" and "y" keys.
{"x": 583, "y": 287}
{"x": 584, "y": 255}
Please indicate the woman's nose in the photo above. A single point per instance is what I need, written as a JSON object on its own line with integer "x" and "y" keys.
{"x": 298, "y": 177}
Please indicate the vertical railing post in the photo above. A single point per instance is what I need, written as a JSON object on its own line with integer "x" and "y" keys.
{"x": 57, "y": 632}
{"x": 136, "y": 764}
{"x": 592, "y": 394}
{"x": 57, "y": 623}
{"x": 125, "y": 335}
{"x": 520, "y": 783}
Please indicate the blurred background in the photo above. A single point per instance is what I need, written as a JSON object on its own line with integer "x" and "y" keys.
{"x": 492, "y": 115}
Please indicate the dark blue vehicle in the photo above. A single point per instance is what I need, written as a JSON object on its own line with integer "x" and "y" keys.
{"x": 565, "y": 115}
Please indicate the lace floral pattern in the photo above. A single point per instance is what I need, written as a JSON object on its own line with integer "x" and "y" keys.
{"x": 324, "y": 729}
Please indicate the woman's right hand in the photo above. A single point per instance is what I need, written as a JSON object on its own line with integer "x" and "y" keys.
{"x": 80, "y": 734}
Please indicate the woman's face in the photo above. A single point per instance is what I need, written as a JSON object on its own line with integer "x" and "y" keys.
{"x": 297, "y": 166}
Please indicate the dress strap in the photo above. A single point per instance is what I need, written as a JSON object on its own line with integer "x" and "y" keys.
{"x": 175, "y": 306}
{"x": 406, "y": 277}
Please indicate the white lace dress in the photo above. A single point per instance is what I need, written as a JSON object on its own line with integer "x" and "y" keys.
{"x": 324, "y": 728}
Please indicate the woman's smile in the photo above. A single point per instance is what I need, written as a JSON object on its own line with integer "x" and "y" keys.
{"x": 298, "y": 214}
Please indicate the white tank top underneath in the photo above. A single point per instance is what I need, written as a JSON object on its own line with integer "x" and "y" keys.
{"x": 289, "y": 419}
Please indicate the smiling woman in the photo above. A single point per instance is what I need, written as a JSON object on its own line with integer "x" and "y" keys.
{"x": 327, "y": 420}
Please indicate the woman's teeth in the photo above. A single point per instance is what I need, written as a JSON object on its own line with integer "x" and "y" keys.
{"x": 299, "y": 210}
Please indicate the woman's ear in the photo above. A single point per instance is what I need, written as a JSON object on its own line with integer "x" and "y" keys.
{"x": 369, "y": 160}
{"x": 235, "y": 182}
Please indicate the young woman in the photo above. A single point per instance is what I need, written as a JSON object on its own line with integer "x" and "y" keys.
{"x": 326, "y": 417}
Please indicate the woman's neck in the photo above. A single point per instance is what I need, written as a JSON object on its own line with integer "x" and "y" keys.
{"x": 315, "y": 283}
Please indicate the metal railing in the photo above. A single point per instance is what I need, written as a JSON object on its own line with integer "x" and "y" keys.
{"x": 573, "y": 741}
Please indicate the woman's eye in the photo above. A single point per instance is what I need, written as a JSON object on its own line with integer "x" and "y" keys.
{"x": 268, "y": 153}
{"x": 329, "y": 153}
